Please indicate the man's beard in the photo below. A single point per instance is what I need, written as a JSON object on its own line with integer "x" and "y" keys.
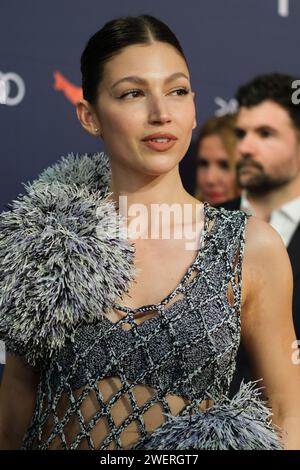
{"x": 260, "y": 182}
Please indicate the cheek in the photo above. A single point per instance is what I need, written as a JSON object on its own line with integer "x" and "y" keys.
{"x": 287, "y": 154}
{"x": 229, "y": 181}
{"x": 188, "y": 115}
{"x": 200, "y": 177}
{"x": 115, "y": 124}
{"x": 270, "y": 150}
{"x": 183, "y": 115}
{"x": 121, "y": 126}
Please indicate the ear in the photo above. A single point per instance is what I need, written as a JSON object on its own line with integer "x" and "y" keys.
{"x": 88, "y": 118}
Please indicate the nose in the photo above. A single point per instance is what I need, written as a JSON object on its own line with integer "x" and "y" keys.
{"x": 212, "y": 175}
{"x": 246, "y": 146}
{"x": 158, "y": 111}
{"x": 209, "y": 177}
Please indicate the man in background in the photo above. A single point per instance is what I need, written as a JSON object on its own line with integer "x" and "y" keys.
{"x": 268, "y": 171}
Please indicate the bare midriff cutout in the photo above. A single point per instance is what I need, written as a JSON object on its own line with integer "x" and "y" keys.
{"x": 119, "y": 412}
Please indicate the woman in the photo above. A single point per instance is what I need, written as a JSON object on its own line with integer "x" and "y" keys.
{"x": 102, "y": 362}
{"x": 215, "y": 161}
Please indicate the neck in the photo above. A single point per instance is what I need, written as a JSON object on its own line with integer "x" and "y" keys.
{"x": 146, "y": 190}
{"x": 264, "y": 204}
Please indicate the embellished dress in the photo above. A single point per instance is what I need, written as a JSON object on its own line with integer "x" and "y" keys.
{"x": 160, "y": 383}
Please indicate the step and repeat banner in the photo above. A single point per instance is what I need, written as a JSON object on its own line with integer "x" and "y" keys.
{"x": 226, "y": 42}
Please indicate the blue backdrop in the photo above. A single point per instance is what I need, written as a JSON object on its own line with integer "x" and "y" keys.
{"x": 226, "y": 42}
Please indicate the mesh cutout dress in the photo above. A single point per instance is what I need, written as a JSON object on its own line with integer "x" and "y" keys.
{"x": 154, "y": 383}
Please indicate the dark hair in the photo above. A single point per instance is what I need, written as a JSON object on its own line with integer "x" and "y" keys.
{"x": 274, "y": 87}
{"x": 112, "y": 38}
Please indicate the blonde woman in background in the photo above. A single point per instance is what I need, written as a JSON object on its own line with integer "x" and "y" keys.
{"x": 215, "y": 161}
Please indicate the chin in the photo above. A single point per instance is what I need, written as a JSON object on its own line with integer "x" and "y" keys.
{"x": 160, "y": 165}
{"x": 216, "y": 201}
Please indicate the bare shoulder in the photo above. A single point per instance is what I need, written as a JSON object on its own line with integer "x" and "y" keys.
{"x": 18, "y": 369}
{"x": 260, "y": 233}
{"x": 265, "y": 256}
{"x": 18, "y": 393}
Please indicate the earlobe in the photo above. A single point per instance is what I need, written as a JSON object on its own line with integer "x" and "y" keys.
{"x": 87, "y": 117}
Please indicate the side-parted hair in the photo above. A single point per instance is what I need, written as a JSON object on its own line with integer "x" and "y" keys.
{"x": 114, "y": 36}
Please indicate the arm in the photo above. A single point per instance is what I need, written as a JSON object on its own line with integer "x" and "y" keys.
{"x": 17, "y": 401}
{"x": 267, "y": 325}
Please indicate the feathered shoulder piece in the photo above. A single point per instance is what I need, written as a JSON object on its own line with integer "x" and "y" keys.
{"x": 65, "y": 256}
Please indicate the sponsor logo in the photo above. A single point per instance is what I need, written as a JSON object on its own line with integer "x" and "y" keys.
{"x": 225, "y": 107}
{"x": 72, "y": 92}
{"x": 283, "y": 7}
{"x": 12, "y": 89}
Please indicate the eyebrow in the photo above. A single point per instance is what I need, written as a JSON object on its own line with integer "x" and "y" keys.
{"x": 207, "y": 159}
{"x": 141, "y": 81}
{"x": 257, "y": 128}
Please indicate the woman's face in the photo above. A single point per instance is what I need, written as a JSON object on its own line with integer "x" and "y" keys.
{"x": 215, "y": 178}
{"x": 146, "y": 90}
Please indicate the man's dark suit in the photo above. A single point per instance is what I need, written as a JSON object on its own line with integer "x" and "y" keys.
{"x": 293, "y": 249}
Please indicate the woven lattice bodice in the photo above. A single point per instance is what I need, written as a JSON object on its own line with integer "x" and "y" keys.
{"x": 111, "y": 386}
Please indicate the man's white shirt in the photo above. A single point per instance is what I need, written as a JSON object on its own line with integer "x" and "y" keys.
{"x": 284, "y": 219}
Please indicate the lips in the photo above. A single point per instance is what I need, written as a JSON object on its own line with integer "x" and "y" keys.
{"x": 247, "y": 168}
{"x": 159, "y": 135}
{"x": 160, "y": 141}
{"x": 214, "y": 195}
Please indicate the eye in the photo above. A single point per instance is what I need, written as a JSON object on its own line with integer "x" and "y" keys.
{"x": 224, "y": 165}
{"x": 201, "y": 163}
{"x": 239, "y": 133}
{"x": 265, "y": 132}
{"x": 130, "y": 94}
{"x": 180, "y": 91}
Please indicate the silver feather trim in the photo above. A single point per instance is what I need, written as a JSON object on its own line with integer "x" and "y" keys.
{"x": 65, "y": 256}
{"x": 240, "y": 423}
